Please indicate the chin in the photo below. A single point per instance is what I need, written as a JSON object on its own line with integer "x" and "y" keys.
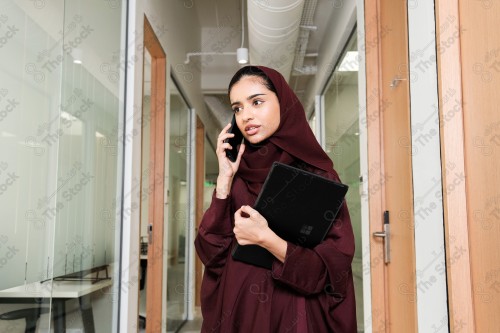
{"x": 255, "y": 140}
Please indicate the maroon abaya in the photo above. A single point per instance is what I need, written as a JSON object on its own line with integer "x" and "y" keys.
{"x": 312, "y": 291}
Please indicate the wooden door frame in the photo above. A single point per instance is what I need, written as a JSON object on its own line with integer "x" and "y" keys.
{"x": 373, "y": 73}
{"x": 375, "y": 106}
{"x": 459, "y": 290}
{"x": 460, "y": 298}
{"x": 154, "y": 285}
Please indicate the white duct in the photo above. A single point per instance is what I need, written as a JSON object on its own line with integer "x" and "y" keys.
{"x": 273, "y": 29}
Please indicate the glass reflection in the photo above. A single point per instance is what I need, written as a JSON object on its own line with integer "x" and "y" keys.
{"x": 342, "y": 145}
{"x": 60, "y": 146}
{"x": 145, "y": 191}
{"x": 178, "y": 213}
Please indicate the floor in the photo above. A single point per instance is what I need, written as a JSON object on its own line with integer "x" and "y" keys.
{"x": 191, "y": 326}
{"x": 175, "y": 302}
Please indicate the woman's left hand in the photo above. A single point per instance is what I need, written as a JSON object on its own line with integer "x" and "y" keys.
{"x": 251, "y": 229}
{"x": 255, "y": 230}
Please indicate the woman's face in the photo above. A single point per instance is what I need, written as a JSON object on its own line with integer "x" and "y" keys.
{"x": 257, "y": 109}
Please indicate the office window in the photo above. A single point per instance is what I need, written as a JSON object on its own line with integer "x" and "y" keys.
{"x": 61, "y": 122}
{"x": 342, "y": 145}
{"x": 178, "y": 210}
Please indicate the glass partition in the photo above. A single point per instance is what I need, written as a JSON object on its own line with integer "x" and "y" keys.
{"x": 146, "y": 192}
{"x": 61, "y": 119}
{"x": 178, "y": 211}
{"x": 342, "y": 145}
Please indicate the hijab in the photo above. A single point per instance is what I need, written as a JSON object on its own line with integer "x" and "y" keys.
{"x": 292, "y": 142}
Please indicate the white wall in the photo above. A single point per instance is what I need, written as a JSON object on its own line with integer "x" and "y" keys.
{"x": 432, "y": 310}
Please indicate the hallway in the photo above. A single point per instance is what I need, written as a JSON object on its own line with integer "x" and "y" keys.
{"x": 191, "y": 326}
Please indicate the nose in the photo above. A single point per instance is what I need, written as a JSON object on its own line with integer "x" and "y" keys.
{"x": 247, "y": 114}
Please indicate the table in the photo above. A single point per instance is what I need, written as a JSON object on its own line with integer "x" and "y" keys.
{"x": 60, "y": 292}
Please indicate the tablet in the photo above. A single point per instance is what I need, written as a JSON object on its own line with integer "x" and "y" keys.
{"x": 299, "y": 206}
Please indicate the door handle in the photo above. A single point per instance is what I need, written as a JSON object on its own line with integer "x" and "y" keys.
{"x": 386, "y": 235}
{"x": 395, "y": 81}
{"x": 150, "y": 233}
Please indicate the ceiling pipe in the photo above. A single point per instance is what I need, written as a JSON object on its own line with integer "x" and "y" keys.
{"x": 273, "y": 28}
{"x": 192, "y": 54}
{"x": 306, "y": 27}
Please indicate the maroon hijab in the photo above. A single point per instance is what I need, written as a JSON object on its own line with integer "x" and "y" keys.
{"x": 293, "y": 141}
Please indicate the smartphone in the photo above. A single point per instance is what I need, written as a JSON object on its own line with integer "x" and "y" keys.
{"x": 232, "y": 154}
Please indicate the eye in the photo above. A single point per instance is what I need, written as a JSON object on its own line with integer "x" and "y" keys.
{"x": 236, "y": 109}
{"x": 257, "y": 102}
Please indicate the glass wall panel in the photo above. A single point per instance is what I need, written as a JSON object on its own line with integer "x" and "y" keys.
{"x": 178, "y": 212}
{"x": 61, "y": 111}
{"x": 146, "y": 191}
{"x": 342, "y": 145}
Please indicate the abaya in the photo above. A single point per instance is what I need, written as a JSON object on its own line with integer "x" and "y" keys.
{"x": 312, "y": 290}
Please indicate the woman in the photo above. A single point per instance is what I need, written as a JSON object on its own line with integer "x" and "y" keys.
{"x": 307, "y": 290}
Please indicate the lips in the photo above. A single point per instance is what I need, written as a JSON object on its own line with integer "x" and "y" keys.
{"x": 252, "y": 129}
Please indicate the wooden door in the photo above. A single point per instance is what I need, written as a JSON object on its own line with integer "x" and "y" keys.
{"x": 390, "y": 173}
{"x": 156, "y": 174}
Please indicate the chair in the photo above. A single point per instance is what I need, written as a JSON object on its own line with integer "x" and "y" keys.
{"x": 31, "y": 316}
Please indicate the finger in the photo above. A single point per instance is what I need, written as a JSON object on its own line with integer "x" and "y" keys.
{"x": 238, "y": 212}
{"x": 226, "y": 145}
{"x": 249, "y": 210}
{"x": 240, "y": 153}
{"x": 222, "y": 147}
{"x": 225, "y": 129}
{"x": 224, "y": 132}
{"x": 224, "y": 136}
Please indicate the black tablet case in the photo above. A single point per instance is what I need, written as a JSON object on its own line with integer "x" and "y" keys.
{"x": 299, "y": 207}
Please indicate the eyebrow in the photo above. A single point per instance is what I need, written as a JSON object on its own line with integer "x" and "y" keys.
{"x": 248, "y": 98}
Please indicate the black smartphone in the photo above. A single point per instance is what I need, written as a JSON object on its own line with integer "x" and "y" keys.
{"x": 232, "y": 154}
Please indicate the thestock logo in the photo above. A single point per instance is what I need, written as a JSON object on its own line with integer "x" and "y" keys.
{"x": 44, "y": 206}
{"x": 52, "y": 64}
{"x": 78, "y": 187}
{"x": 113, "y": 3}
{"x": 12, "y": 104}
{"x": 9, "y": 254}
{"x": 492, "y": 62}
{"x": 49, "y": 132}
{"x": 12, "y": 30}
{"x": 38, "y": 4}
{"x": 11, "y": 179}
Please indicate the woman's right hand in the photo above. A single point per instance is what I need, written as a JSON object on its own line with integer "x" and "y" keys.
{"x": 227, "y": 169}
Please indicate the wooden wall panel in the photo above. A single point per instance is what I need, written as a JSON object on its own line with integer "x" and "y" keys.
{"x": 380, "y": 313}
{"x": 154, "y": 275}
{"x": 460, "y": 305}
{"x": 480, "y": 54}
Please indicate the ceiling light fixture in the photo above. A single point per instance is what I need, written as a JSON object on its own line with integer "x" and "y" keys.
{"x": 242, "y": 55}
{"x": 76, "y": 53}
{"x": 242, "y": 52}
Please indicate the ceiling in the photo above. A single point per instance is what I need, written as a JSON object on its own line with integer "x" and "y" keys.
{"x": 220, "y": 21}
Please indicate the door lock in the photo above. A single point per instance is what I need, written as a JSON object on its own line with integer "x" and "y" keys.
{"x": 386, "y": 235}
